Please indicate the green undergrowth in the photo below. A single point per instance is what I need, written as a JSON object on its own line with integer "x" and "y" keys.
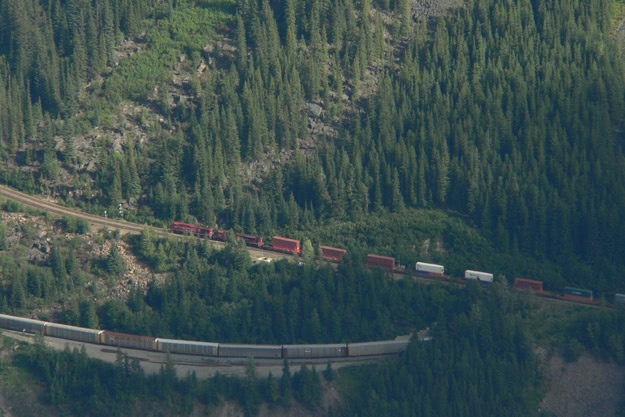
{"x": 618, "y": 14}
{"x": 435, "y": 236}
{"x": 187, "y": 29}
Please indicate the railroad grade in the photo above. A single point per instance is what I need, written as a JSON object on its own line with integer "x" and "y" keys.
{"x": 102, "y": 222}
{"x": 256, "y": 252}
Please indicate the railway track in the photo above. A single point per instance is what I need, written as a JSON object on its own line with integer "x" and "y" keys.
{"x": 54, "y": 208}
{"x": 134, "y": 228}
{"x": 103, "y": 222}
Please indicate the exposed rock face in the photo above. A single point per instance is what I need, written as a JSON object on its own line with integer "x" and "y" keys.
{"x": 585, "y": 388}
{"x": 432, "y": 8}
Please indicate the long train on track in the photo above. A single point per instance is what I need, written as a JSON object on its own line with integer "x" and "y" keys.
{"x": 422, "y": 270}
{"x": 209, "y": 349}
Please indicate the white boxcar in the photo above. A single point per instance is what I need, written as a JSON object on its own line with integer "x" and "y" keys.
{"x": 429, "y": 269}
{"x": 485, "y": 277}
{"x": 21, "y": 324}
{"x": 187, "y": 347}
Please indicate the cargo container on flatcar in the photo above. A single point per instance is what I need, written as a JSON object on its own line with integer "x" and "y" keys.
{"x": 385, "y": 262}
{"x": 619, "y": 298}
{"x": 251, "y": 240}
{"x": 424, "y": 268}
{"x": 580, "y": 294}
{"x": 229, "y": 350}
{"x": 337, "y": 350}
{"x": 528, "y": 285}
{"x": 129, "y": 340}
{"x": 484, "y": 277}
{"x": 381, "y": 347}
{"x": 328, "y": 252}
{"x": 285, "y": 244}
{"x": 79, "y": 334}
{"x": 187, "y": 347}
{"x": 22, "y": 324}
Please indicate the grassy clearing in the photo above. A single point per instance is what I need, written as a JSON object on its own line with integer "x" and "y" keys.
{"x": 188, "y": 29}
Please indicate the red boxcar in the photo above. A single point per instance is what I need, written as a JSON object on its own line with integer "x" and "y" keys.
{"x": 529, "y": 285}
{"x": 385, "y": 262}
{"x": 220, "y": 235}
{"x": 329, "y": 252}
{"x": 286, "y": 244}
{"x": 251, "y": 240}
{"x": 204, "y": 231}
{"x": 180, "y": 227}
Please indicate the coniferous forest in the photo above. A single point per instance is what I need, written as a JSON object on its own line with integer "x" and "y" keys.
{"x": 510, "y": 114}
{"x": 494, "y": 132}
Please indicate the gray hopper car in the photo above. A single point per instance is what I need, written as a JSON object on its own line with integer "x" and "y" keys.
{"x": 80, "y": 334}
{"x": 22, "y": 324}
{"x": 315, "y": 351}
{"x": 382, "y": 347}
{"x": 188, "y": 348}
{"x": 227, "y": 350}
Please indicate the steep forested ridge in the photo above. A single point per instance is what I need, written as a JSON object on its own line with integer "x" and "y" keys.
{"x": 511, "y": 113}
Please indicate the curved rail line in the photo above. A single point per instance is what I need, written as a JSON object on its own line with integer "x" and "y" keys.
{"x": 135, "y": 228}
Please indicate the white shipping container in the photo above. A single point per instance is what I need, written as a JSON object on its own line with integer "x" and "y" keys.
{"x": 425, "y": 268}
{"x": 481, "y": 276}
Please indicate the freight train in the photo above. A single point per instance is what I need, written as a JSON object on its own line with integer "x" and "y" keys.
{"x": 218, "y": 350}
{"x": 422, "y": 269}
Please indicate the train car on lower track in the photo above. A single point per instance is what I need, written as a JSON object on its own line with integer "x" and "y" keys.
{"x": 231, "y": 350}
{"x": 337, "y": 350}
{"x": 186, "y": 347}
{"x": 129, "y": 341}
{"x": 79, "y": 334}
{"x": 380, "y": 347}
{"x": 22, "y": 324}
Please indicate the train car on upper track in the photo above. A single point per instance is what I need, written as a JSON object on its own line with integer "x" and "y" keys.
{"x": 334, "y": 254}
{"x": 483, "y": 277}
{"x": 285, "y": 244}
{"x": 578, "y": 294}
{"x": 250, "y": 240}
{"x": 424, "y": 268}
{"x": 528, "y": 285}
